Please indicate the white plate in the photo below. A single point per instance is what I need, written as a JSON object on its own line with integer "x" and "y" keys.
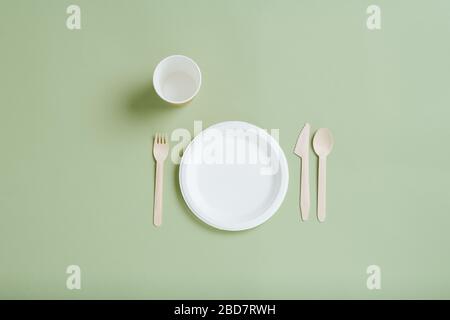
{"x": 234, "y": 176}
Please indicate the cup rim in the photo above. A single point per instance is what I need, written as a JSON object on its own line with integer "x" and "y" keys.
{"x": 196, "y": 90}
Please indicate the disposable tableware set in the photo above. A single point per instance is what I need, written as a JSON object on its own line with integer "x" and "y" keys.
{"x": 233, "y": 175}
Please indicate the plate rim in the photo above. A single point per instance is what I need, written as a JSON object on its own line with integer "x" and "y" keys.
{"x": 281, "y": 192}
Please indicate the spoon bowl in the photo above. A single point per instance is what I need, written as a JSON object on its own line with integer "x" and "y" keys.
{"x": 323, "y": 142}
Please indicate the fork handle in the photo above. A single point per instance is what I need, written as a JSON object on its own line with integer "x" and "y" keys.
{"x": 158, "y": 200}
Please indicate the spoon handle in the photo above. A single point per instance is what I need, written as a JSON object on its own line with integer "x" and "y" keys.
{"x": 322, "y": 189}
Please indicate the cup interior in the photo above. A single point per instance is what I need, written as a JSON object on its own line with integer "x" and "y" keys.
{"x": 177, "y": 79}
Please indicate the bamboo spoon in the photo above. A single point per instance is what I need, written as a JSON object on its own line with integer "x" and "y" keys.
{"x": 323, "y": 144}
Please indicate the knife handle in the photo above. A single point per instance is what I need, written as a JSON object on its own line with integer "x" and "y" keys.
{"x": 304, "y": 189}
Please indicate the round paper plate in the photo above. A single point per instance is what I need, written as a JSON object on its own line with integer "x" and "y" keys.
{"x": 233, "y": 176}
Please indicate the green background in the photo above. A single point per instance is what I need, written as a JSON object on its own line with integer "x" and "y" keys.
{"x": 78, "y": 112}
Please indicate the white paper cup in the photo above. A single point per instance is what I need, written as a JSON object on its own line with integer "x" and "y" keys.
{"x": 177, "y": 79}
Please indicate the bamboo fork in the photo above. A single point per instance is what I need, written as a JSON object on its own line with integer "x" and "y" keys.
{"x": 160, "y": 152}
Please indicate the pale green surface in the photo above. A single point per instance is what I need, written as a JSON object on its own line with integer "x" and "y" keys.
{"x": 77, "y": 113}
